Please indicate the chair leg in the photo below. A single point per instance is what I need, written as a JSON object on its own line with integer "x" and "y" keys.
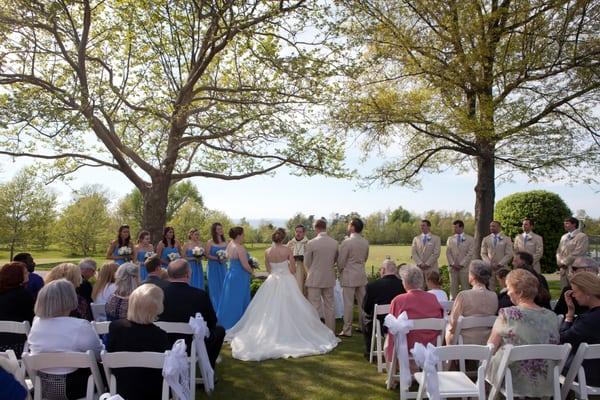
{"x": 373, "y": 333}
{"x": 379, "y": 347}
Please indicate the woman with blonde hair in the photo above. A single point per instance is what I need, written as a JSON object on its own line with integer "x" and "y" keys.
{"x": 72, "y": 273}
{"x": 524, "y": 323}
{"x": 585, "y": 328}
{"x": 138, "y": 333}
{"x": 105, "y": 284}
{"x": 127, "y": 278}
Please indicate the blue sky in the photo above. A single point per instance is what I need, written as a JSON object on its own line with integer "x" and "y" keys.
{"x": 279, "y": 197}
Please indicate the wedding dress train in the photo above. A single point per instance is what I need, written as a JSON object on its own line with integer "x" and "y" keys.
{"x": 279, "y": 322}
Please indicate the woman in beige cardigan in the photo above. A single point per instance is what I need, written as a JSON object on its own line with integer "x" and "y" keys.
{"x": 478, "y": 301}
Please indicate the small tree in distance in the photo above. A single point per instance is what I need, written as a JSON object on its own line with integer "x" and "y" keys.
{"x": 548, "y": 212}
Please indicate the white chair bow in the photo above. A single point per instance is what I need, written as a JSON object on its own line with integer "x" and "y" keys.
{"x": 427, "y": 359}
{"x": 201, "y": 331}
{"x": 176, "y": 370}
{"x": 399, "y": 327}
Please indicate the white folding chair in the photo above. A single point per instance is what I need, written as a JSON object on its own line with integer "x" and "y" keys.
{"x": 447, "y": 305}
{"x": 37, "y": 362}
{"x": 551, "y": 352}
{"x": 457, "y": 383}
{"x": 21, "y": 328}
{"x": 125, "y": 359}
{"x": 20, "y": 368}
{"x": 98, "y": 312}
{"x": 183, "y": 328}
{"x": 434, "y": 324}
{"x": 377, "y": 336}
{"x": 581, "y": 388}
{"x": 101, "y": 327}
{"x": 463, "y": 323}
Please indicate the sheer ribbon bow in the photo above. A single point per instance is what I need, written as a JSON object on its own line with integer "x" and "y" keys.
{"x": 427, "y": 359}
{"x": 201, "y": 331}
{"x": 176, "y": 370}
{"x": 399, "y": 327}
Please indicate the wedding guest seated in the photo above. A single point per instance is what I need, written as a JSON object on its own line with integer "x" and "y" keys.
{"x": 54, "y": 331}
{"x": 127, "y": 278}
{"x": 10, "y": 388}
{"x": 183, "y": 301}
{"x": 434, "y": 286}
{"x": 503, "y": 298}
{"x": 152, "y": 265}
{"x": 477, "y": 301}
{"x": 580, "y": 264}
{"x": 418, "y": 304}
{"x": 524, "y": 260}
{"x": 524, "y": 323}
{"x": 16, "y": 304}
{"x": 71, "y": 273}
{"x": 381, "y": 291}
{"x": 138, "y": 333}
{"x": 87, "y": 266}
{"x": 36, "y": 282}
{"x": 105, "y": 284}
{"x": 585, "y": 328}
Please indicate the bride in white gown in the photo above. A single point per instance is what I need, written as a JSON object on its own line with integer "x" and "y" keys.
{"x": 279, "y": 322}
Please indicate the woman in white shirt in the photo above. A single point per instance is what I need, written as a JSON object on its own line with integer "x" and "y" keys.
{"x": 434, "y": 284}
{"x": 105, "y": 284}
{"x": 53, "y": 331}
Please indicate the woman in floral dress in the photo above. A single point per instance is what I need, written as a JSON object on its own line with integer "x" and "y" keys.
{"x": 525, "y": 323}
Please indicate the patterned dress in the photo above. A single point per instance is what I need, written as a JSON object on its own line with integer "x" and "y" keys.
{"x": 520, "y": 326}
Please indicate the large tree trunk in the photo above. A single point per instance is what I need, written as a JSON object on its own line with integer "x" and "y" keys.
{"x": 485, "y": 195}
{"x": 154, "y": 218}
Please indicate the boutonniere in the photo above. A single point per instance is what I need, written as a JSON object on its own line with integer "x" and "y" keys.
{"x": 500, "y": 238}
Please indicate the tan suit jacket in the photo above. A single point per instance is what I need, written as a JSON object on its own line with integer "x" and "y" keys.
{"x": 320, "y": 256}
{"x": 428, "y": 253}
{"x": 354, "y": 252}
{"x": 460, "y": 253}
{"x": 501, "y": 254}
{"x": 534, "y": 246}
{"x": 571, "y": 246}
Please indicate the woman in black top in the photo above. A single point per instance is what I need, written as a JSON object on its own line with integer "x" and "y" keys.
{"x": 585, "y": 288}
{"x": 16, "y": 303}
{"x": 138, "y": 333}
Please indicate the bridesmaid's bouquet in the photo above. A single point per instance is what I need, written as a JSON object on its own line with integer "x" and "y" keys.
{"x": 124, "y": 251}
{"x": 149, "y": 254}
{"x": 198, "y": 252}
{"x": 221, "y": 255}
{"x": 173, "y": 256}
{"x": 253, "y": 262}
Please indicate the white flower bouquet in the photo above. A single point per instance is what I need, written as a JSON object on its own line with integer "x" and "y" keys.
{"x": 124, "y": 251}
{"x": 222, "y": 255}
{"x": 173, "y": 256}
{"x": 198, "y": 252}
{"x": 149, "y": 254}
{"x": 253, "y": 262}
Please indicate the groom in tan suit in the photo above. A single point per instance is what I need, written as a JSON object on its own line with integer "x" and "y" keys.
{"x": 426, "y": 248}
{"x": 320, "y": 256}
{"x": 497, "y": 250}
{"x": 354, "y": 252}
{"x": 572, "y": 244}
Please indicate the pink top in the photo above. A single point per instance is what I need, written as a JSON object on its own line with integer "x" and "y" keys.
{"x": 418, "y": 304}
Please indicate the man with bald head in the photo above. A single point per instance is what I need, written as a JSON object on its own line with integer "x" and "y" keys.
{"x": 183, "y": 301}
{"x": 381, "y": 291}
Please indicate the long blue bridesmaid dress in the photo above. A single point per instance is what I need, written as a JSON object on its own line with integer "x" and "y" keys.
{"x": 197, "y": 280}
{"x": 235, "y": 296}
{"x": 216, "y": 272}
{"x": 165, "y": 255}
{"x": 141, "y": 257}
{"x": 118, "y": 261}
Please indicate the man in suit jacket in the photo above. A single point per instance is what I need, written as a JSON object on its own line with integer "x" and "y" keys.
{"x": 297, "y": 244}
{"x": 531, "y": 243}
{"x": 87, "y": 266}
{"x": 425, "y": 249}
{"x": 497, "y": 250}
{"x": 152, "y": 265}
{"x": 572, "y": 244}
{"x": 183, "y": 301}
{"x": 381, "y": 291}
{"x": 320, "y": 256}
{"x": 354, "y": 252}
{"x": 459, "y": 252}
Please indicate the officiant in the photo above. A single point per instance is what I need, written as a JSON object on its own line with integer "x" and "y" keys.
{"x": 297, "y": 244}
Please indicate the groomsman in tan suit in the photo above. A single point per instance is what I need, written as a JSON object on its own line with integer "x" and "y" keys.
{"x": 497, "y": 250}
{"x": 320, "y": 256}
{"x": 572, "y": 244}
{"x": 297, "y": 244}
{"x": 459, "y": 252}
{"x": 531, "y": 243}
{"x": 426, "y": 248}
{"x": 354, "y": 252}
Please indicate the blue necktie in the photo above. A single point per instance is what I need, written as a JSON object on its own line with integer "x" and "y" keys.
{"x": 495, "y": 240}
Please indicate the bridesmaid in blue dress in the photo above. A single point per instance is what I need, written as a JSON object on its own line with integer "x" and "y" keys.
{"x": 168, "y": 245}
{"x": 140, "y": 250}
{"x": 236, "y": 289}
{"x": 123, "y": 240}
{"x": 216, "y": 268}
{"x": 195, "y": 262}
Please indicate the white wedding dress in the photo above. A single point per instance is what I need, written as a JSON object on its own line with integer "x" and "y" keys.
{"x": 279, "y": 322}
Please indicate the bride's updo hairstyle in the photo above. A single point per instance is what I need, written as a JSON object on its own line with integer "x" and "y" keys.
{"x": 278, "y": 236}
{"x": 235, "y": 232}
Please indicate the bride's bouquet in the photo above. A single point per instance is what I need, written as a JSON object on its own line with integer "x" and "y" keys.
{"x": 173, "y": 256}
{"x": 254, "y": 264}
{"x": 198, "y": 252}
{"x": 221, "y": 255}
